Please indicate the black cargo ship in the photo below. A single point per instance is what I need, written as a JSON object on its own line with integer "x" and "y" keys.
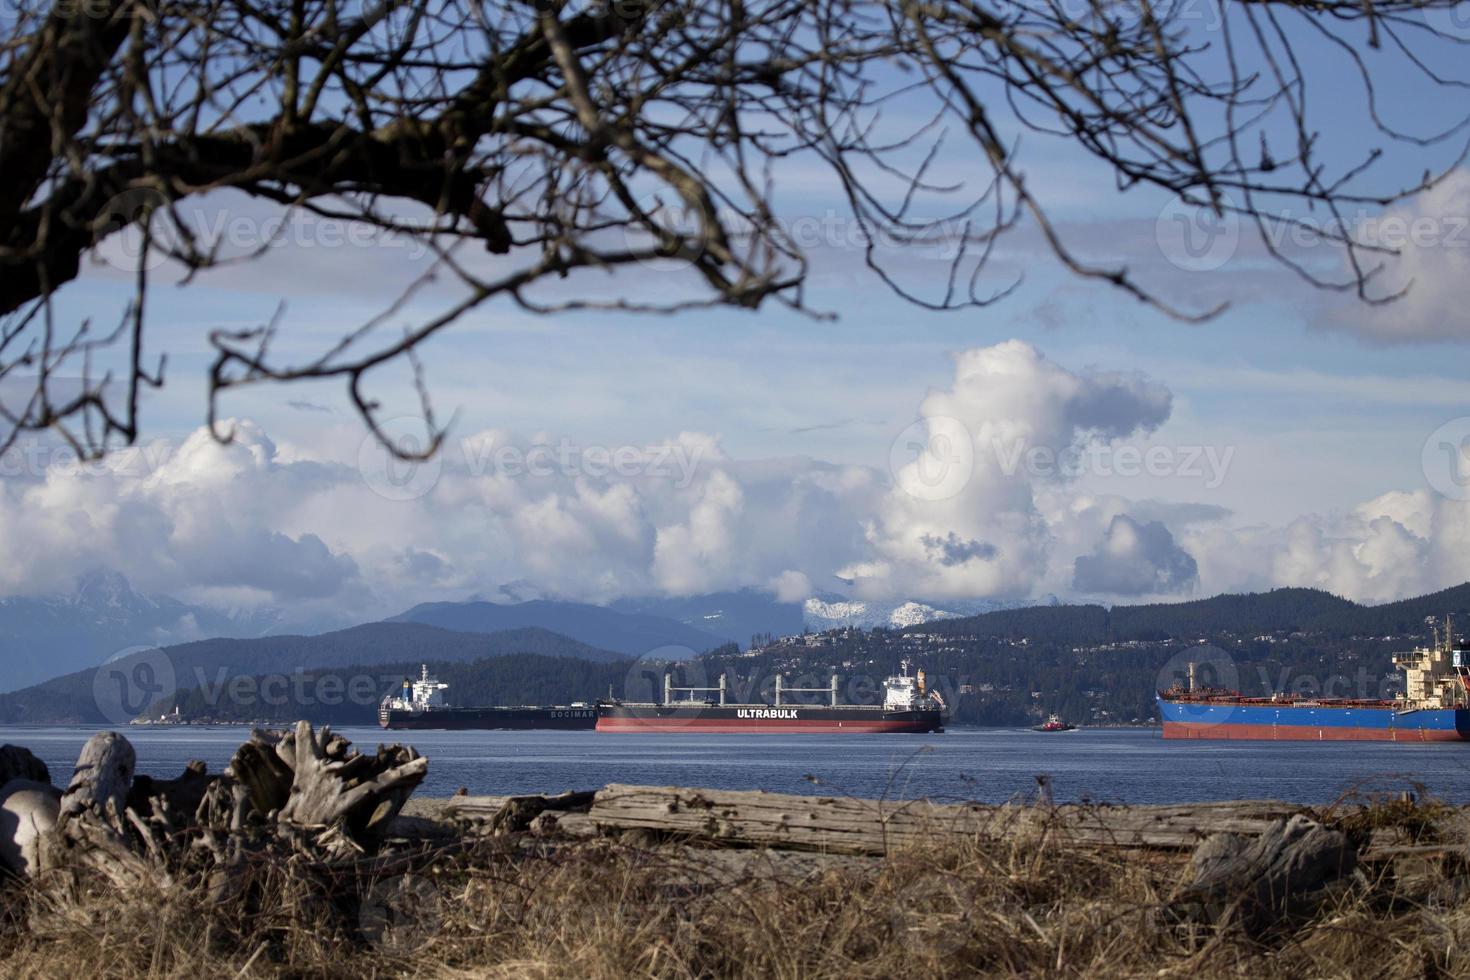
{"x": 907, "y": 707}
{"x": 420, "y": 704}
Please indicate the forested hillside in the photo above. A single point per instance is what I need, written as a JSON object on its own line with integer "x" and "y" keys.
{"x": 1252, "y": 614}
{"x": 349, "y": 695}
{"x": 144, "y": 676}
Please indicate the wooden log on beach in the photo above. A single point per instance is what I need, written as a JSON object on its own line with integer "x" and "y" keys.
{"x": 500, "y": 815}
{"x": 93, "y": 826}
{"x": 857, "y": 826}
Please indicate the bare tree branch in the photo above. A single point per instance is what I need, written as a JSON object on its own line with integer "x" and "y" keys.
{"x": 566, "y": 138}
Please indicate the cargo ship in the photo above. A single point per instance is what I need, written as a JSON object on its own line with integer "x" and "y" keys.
{"x": 908, "y": 706}
{"x": 1434, "y": 707}
{"x": 420, "y": 704}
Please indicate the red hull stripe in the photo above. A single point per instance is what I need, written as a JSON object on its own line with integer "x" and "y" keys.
{"x": 1306, "y": 733}
{"x": 756, "y": 726}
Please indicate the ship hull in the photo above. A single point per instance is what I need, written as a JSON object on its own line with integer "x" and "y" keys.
{"x": 1311, "y": 722}
{"x": 492, "y": 719}
{"x": 785, "y": 720}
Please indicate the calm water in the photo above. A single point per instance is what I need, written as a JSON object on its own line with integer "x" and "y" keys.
{"x": 1129, "y": 766}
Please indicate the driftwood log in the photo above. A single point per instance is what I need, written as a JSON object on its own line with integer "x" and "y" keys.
{"x": 844, "y": 825}
{"x": 502, "y": 815}
{"x": 28, "y": 810}
{"x": 94, "y": 826}
{"x": 103, "y": 776}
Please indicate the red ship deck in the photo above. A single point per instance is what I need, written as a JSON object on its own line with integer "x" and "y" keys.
{"x": 727, "y": 726}
{"x": 1215, "y": 731}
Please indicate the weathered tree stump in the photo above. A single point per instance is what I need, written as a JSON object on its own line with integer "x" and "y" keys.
{"x": 103, "y": 776}
{"x": 94, "y": 828}
{"x": 1256, "y": 881}
{"x": 301, "y": 790}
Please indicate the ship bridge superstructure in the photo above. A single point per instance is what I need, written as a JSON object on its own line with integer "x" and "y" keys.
{"x": 1437, "y": 675}
{"x": 424, "y": 694}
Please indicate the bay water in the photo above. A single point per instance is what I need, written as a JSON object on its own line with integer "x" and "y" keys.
{"x": 984, "y": 764}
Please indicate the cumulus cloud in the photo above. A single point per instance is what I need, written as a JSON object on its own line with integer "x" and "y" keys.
{"x": 205, "y": 515}
{"x": 1431, "y": 236}
{"x": 962, "y": 512}
{"x": 791, "y": 586}
{"x": 962, "y": 518}
{"x": 950, "y": 550}
{"x": 1135, "y": 559}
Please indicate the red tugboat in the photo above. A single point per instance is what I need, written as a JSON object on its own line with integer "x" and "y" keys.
{"x": 908, "y": 706}
{"x": 1054, "y": 724}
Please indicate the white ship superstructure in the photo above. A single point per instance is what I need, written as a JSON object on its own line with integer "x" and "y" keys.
{"x": 1437, "y": 675}
{"x": 414, "y": 697}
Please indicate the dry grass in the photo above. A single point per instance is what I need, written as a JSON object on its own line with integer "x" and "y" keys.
{"x": 610, "y": 909}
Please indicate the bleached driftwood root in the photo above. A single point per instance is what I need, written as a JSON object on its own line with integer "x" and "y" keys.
{"x": 28, "y": 810}
{"x": 302, "y": 790}
{"x": 92, "y": 829}
{"x": 29, "y": 807}
{"x": 310, "y": 779}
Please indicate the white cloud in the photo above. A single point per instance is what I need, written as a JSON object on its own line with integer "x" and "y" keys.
{"x": 1430, "y": 238}
{"x": 207, "y": 516}
{"x": 256, "y": 523}
{"x": 1135, "y": 559}
{"x": 1008, "y": 408}
{"x": 791, "y": 586}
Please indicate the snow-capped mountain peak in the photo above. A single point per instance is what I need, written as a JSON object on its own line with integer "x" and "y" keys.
{"x": 826, "y": 612}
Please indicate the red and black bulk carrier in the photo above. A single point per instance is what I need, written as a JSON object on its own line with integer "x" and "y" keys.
{"x": 908, "y": 707}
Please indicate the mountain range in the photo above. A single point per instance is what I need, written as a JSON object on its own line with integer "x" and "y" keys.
{"x": 44, "y": 636}
{"x": 88, "y": 697}
{"x": 1280, "y": 611}
{"x": 66, "y": 637}
{"x": 50, "y": 636}
{"x": 829, "y": 611}
{"x": 633, "y": 634}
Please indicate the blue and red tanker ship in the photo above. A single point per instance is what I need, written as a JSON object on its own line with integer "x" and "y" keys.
{"x": 1435, "y": 706}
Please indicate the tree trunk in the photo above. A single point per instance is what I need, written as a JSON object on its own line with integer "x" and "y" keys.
{"x": 103, "y": 776}
{"x": 94, "y": 829}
